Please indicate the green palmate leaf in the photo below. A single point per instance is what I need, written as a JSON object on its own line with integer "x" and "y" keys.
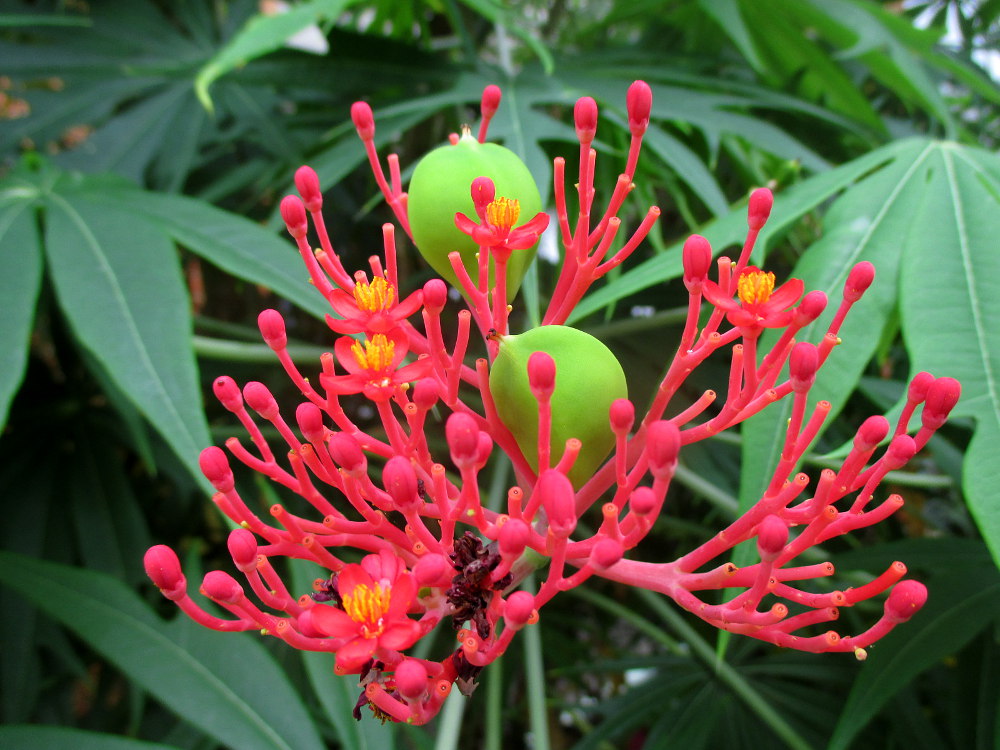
{"x": 64, "y": 738}
{"x": 227, "y": 685}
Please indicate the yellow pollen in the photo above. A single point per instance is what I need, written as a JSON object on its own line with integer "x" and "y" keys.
{"x": 367, "y": 605}
{"x": 755, "y": 288}
{"x": 502, "y": 213}
{"x": 374, "y": 297}
{"x": 376, "y": 354}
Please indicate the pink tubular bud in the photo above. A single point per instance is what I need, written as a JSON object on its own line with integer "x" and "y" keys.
{"x": 400, "y": 481}
{"x": 518, "y": 609}
{"x": 858, "y": 281}
{"x": 585, "y": 117}
{"x": 490, "y": 102}
{"x": 621, "y": 415}
{"x": 810, "y": 308}
{"x": 638, "y": 104}
{"x": 942, "y": 396}
{"x": 433, "y": 570}
{"x": 919, "y": 386}
{"x": 364, "y": 120}
{"x": 802, "y": 365}
{"x": 259, "y": 398}
{"x": 215, "y": 466}
{"x": 559, "y": 501}
{"x": 483, "y": 192}
{"x": 345, "y": 452}
{"x": 293, "y": 213}
{"x": 541, "y": 375}
{"x": 243, "y": 548}
{"x": 697, "y": 258}
{"x": 411, "y": 678}
{"x": 663, "y": 444}
{"x": 426, "y": 393}
{"x": 905, "y": 600}
{"x": 462, "y": 435}
{"x": 272, "y": 329}
{"x": 871, "y": 433}
{"x": 307, "y": 183}
{"x": 164, "y": 569}
{"x": 772, "y": 536}
{"x": 483, "y": 449}
{"x": 228, "y": 393}
{"x": 759, "y": 209}
{"x": 435, "y": 296}
{"x": 900, "y": 450}
{"x": 606, "y": 553}
{"x": 310, "y": 421}
{"x": 513, "y": 537}
{"x": 642, "y": 501}
{"x": 222, "y": 587}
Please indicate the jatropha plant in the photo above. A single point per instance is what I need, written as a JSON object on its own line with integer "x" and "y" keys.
{"x": 401, "y": 524}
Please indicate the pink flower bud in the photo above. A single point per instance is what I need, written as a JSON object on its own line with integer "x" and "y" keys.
{"x": 697, "y": 258}
{"x": 293, "y": 213}
{"x": 228, "y": 393}
{"x": 345, "y": 452}
{"x": 518, "y": 609}
{"x": 364, "y": 120}
{"x": 772, "y": 536}
{"x": 621, "y": 415}
{"x": 411, "y": 678}
{"x": 810, "y": 308}
{"x": 802, "y": 365}
{"x": 426, "y": 393}
{"x": 215, "y": 466}
{"x": 919, "y": 386}
{"x": 491, "y": 101}
{"x": 222, "y": 587}
{"x": 871, "y": 433}
{"x": 759, "y": 209}
{"x": 905, "y": 600}
{"x": 433, "y": 570}
{"x": 164, "y": 569}
{"x": 310, "y": 421}
{"x": 307, "y": 626}
{"x": 642, "y": 501}
{"x": 307, "y": 183}
{"x": 941, "y": 399}
{"x": 483, "y": 449}
{"x": 606, "y": 553}
{"x": 483, "y": 192}
{"x": 858, "y": 281}
{"x": 435, "y": 296}
{"x": 513, "y": 537}
{"x": 663, "y": 444}
{"x": 559, "y": 501}
{"x": 272, "y": 329}
{"x": 541, "y": 375}
{"x": 585, "y": 117}
{"x": 243, "y": 548}
{"x": 900, "y": 450}
{"x": 400, "y": 481}
{"x": 638, "y": 103}
{"x": 462, "y": 435}
{"x": 259, "y": 398}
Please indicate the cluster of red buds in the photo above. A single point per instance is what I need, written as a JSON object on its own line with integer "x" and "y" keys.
{"x": 404, "y": 531}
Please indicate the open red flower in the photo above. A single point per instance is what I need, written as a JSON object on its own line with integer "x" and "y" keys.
{"x": 496, "y": 226}
{"x": 371, "y": 307}
{"x": 373, "y": 366}
{"x": 759, "y": 304}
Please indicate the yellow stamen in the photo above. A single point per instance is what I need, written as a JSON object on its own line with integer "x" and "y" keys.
{"x": 367, "y": 605}
{"x": 376, "y": 354}
{"x": 502, "y": 213}
{"x": 755, "y": 287}
{"x": 374, "y": 297}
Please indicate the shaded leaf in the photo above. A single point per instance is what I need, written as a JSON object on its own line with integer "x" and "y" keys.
{"x": 63, "y": 738}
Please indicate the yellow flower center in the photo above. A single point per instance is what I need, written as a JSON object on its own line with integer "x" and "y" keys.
{"x": 376, "y": 355}
{"x": 755, "y": 287}
{"x": 502, "y": 213}
{"x": 367, "y": 605}
{"x": 374, "y": 297}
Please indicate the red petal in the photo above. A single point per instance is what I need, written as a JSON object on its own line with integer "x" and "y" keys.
{"x": 332, "y": 621}
{"x": 465, "y": 224}
{"x": 714, "y": 294}
{"x": 352, "y": 655}
{"x": 785, "y": 295}
{"x": 400, "y": 635}
{"x": 343, "y": 350}
{"x": 403, "y": 591}
{"x": 351, "y": 576}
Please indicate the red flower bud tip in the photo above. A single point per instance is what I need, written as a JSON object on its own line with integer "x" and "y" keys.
{"x": 433, "y": 570}
{"x": 293, "y": 213}
{"x": 905, "y": 600}
{"x": 518, "y": 609}
{"x": 364, "y": 120}
{"x": 164, "y": 569}
{"x": 243, "y": 548}
{"x": 759, "y": 209}
{"x": 663, "y": 444}
{"x": 642, "y": 501}
{"x": 919, "y": 386}
{"x": 541, "y": 375}
{"x": 228, "y": 393}
{"x": 513, "y": 537}
{"x": 483, "y": 192}
{"x": 259, "y": 398}
{"x": 272, "y": 329}
{"x": 585, "y": 117}
{"x": 858, "y": 281}
{"x": 697, "y": 258}
{"x": 345, "y": 451}
{"x": 462, "y": 435}
{"x": 802, "y": 365}
{"x": 941, "y": 399}
{"x": 621, "y": 415}
{"x": 426, "y": 393}
{"x": 215, "y": 466}
{"x": 310, "y": 421}
{"x": 638, "y": 103}
{"x": 810, "y": 308}
{"x": 307, "y": 183}
{"x": 222, "y": 587}
{"x": 483, "y": 449}
{"x": 871, "y": 433}
{"x": 772, "y": 536}
{"x": 400, "y": 481}
{"x": 901, "y": 449}
{"x": 435, "y": 296}
{"x": 491, "y": 101}
{"x": 606, "y": 553}
{"x": 559, "y": 501}
{"x": 411, "y": 678}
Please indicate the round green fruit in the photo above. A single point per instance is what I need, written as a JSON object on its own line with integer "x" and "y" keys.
{"x": 441, "y": 187}
{"x": 588, "y": 380}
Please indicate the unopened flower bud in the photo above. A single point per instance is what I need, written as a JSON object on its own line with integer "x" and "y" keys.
{"x": 346, "y": 453}
{"x": 435, "y": 296}
{"x": 585, "y": 117}
{"x": 919, "y": 386}
{"x": 663, "y": 444}
{"x": 222, "y": 587}
{"x": 802, "y": 365}
{"x": 518, "y": 609}
{"x": 541, "y": 375}
{"x": 858, "y": 281}
{"x": 215, "y": 466}
{"x": 810, "y": 308}
{"x": 411, "y": 678}
{"x": 426, "y": 393}
{"x": 310, "y": 421}
{"x": 228, "y": 393}
{"x": 483, "y": 192}
{"x": 164, "y": 569}
{"x": 462, "y": 434}
{"x": 242, "y": 546}
{"x": 871, "y": 433}
{"x": 513, "y": 537}
{"x": 491, "y": 101}
{"x": 761, "y": 201}
{"x": 942, "y": 396}
{"x": 642, "y": 501}
{"x": 697, "y": 257}
{"x": 293, "y": 213}
{"x": 905, "y": 600}
{"x": 307, "y": 183}
{"x": 901, "y": 449}
{"x": 272, "y": 329}
{"x": 638, "y": 104}
{"x": 483, "y": 448}
{"x": 433, "y": 569}
{"x": 606, "y": 553}
{"x": 400, "y": 481}
{"x": 559, "y": 501}
{"x": 621, "y": 415}
{"x": 259, "y": 398}
{"x": 772, "y": 536}
{"x": 364, "y": 120}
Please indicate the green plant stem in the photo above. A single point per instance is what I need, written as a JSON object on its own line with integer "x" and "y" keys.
{"x": 238, "y": 351}
{"x": 450, "y": 722}
{"x": 494, "y": 706}
{"x": 535, "y": 673}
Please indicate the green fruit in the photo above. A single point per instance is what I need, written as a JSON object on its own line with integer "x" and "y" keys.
{"x": 440, "y": 188}
{"x": 588, "y": 380}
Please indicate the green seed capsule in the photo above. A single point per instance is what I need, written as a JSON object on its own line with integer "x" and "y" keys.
{"x": 440, "y": 188}
{"x": 588, "y": 380}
